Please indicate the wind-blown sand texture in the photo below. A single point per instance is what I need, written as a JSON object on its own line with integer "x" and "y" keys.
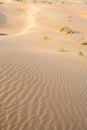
{"x": 42, "y": 88}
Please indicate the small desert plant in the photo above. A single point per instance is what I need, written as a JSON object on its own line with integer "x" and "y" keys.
{"x": 66, "y": 30}
{"x": 80, "y": 53}
{"x": 20, "y": 0}
{"x": 62, "y": 2}
{"x": 69, "y": 18}
{"x": 82, "y": 41}
{"x": 3, "y": 34}
{"x": 1, "y": 2}
{"x": 50, "y": 2}
{"x": 62, "y": 49}
{"x": 46, "y": 38}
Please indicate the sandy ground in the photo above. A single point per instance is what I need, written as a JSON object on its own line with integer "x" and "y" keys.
{"x": 41, "y": 87}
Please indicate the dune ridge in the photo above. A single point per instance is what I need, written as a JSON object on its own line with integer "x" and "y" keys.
{"x": 25, "y": 19}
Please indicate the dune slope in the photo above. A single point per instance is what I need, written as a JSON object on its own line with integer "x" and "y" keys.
{"x": 42, "y": 87}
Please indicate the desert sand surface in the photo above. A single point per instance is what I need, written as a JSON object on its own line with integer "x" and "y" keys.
{"x": 43, "y": 76}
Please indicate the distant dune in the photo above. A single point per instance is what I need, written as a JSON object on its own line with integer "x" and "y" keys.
{"x": 43, "y": 72}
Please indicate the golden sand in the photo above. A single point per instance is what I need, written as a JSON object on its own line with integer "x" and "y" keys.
{"x": 43, "y": 80}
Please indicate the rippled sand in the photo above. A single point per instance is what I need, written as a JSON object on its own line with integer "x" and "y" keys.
{"x": 42, "y": 88}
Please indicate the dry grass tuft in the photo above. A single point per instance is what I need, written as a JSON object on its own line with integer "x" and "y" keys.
{"x": 66, "y": 30}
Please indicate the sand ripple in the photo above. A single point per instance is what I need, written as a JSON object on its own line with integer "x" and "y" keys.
{"x": 40, "y": 91}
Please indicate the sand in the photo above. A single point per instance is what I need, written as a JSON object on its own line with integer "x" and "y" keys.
{"x": 42, "y": 86}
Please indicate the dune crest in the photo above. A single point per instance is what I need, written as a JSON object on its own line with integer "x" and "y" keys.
{"x": 25, "y": 19}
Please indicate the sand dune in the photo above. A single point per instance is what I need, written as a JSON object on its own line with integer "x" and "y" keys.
{"x": 42, "y": 88}
{"x": 14, "y": 19}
